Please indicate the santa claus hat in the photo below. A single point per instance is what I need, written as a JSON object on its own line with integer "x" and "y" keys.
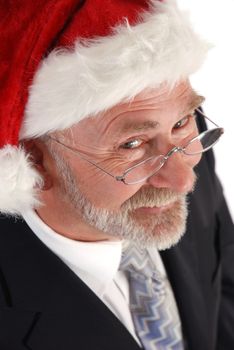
{"x": 67, "y": 59}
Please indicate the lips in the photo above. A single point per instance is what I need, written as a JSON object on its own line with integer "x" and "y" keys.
{"x": 154, "y": 210}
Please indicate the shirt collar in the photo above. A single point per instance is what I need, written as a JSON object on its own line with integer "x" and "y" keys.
{"x": 96, "y": 263}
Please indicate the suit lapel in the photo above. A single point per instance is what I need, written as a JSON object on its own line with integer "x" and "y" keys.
{"x": 86, "y": 330}
{"x": 15, "y": 324}
{"x": 63, "y": 313}
{"x": 182, "y": 267}
{"x": 185, "y": 283}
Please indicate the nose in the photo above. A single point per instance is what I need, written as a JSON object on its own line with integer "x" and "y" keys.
{"x": 176, "y": 174}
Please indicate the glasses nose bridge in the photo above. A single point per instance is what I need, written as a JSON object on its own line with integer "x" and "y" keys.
{"x": 173, "y": 151}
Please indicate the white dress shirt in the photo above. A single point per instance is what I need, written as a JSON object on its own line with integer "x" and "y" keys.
{"x": 96, "y": 264}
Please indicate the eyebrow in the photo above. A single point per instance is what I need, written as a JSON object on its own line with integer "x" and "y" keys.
{"x": 146, "y": 125}
{"x": 194, "y": 102}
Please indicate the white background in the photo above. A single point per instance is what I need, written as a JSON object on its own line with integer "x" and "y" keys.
{"x": 214, "y": 20}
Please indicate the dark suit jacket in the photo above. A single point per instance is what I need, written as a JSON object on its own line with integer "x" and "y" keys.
{"x": 44, "y": 306}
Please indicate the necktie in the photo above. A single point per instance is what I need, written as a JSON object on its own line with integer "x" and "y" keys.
{"x": 156, "y": 321}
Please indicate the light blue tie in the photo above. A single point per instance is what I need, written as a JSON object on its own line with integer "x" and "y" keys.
{"x": 156, "y": 323}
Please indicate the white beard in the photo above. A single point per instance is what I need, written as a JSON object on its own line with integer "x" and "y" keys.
{"x": 162, "y": 230}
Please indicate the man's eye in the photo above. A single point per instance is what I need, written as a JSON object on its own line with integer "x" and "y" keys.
{"x": 182, "y": 122}
{"x": 132, "y": 144}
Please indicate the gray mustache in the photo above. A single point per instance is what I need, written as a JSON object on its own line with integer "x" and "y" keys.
{"x": 152, "y": 197}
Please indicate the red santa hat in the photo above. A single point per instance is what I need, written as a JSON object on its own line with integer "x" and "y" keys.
{"x": 65, "y": 60}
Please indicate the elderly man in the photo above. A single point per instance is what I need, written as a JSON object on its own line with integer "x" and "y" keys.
{"x": 100, "y": 135}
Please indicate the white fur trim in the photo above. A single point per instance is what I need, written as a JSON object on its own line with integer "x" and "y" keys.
{"x": 18, "y": 181}
{"x": 100, "y": 73}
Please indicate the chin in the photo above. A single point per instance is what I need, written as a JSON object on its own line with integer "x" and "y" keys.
{"x": 164, "y": 239}
{"x": 164, "y": 230}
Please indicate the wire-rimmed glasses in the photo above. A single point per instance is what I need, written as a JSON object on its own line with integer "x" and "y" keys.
{"x": 143, "y": 170}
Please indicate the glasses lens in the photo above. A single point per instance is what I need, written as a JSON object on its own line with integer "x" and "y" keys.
{"x": 204, "y": 141}
{"x": 144, "y": 170}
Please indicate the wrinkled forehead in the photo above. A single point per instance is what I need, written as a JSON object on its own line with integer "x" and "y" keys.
{"x": 159, "y": 98}
{"x": 181, "y": 98}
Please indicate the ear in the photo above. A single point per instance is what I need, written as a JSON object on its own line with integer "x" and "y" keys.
{"x": 38, "y": 155}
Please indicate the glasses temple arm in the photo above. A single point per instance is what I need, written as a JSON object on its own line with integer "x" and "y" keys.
{"x": 199, "y": 111}
{"x": 82, "y": 157}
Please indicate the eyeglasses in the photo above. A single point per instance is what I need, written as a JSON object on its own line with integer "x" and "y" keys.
{"x": 143, "y": 170}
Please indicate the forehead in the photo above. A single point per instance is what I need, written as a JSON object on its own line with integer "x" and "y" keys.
{"x": 143, "y": 112}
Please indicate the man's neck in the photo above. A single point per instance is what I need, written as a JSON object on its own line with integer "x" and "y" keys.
{"x": 69, "y": 227}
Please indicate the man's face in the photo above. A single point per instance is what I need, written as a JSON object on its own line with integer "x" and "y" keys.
{"x": 152, "y": 212}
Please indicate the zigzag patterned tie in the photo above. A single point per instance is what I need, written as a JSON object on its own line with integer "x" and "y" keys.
{"x": 156, "y": 322}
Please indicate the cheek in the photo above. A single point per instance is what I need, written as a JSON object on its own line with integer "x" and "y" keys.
{"x": 193, "y": 160}
{"x": 105, "y": 192}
